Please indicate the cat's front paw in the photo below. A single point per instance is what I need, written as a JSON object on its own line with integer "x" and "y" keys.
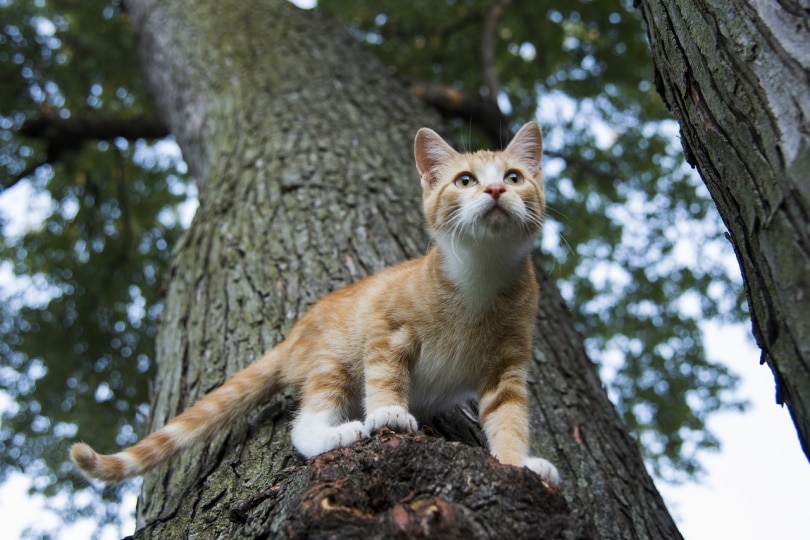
{"x": 392, "y": 416}
{"x": 347, "y": 434}
{"x": 544, "y": 468}
{"x": 312, "y": 434}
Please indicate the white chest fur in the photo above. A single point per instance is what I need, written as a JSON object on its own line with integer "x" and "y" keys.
{"x": 445, "y": 374}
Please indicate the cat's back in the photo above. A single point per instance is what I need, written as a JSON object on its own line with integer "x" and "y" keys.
{"x": 345, "y": 312}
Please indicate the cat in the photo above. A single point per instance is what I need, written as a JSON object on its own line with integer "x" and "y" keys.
{"x": 416, "y": 338}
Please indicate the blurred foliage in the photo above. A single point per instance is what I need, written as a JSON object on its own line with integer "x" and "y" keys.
{"x": 98, "y": 222}
{"x": 632, "y": 237}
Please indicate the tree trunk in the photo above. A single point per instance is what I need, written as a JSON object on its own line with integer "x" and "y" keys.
{"x": 737, "y": 76}
{"x": 302, "y": 144}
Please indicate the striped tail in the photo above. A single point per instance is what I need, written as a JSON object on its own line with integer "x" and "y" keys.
{"x": 216, "y": 411}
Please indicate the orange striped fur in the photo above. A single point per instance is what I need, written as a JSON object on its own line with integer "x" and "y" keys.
{"x": 415, "y": 339}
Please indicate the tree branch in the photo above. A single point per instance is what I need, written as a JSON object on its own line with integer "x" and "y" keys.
{"x": 29, "y": 170}
{"x": 487, "y": 116}
{"x": 488, "y": 42}
{"x": 63, "y": 135}
{"x": 71, "y": 132}
{"x": 451, "y": 102}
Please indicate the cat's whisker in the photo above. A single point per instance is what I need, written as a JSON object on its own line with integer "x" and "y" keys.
{"x": 456, "y": 232}
{"x": 535, "y": 220}
{"x": 431, "y": 241}
{"x": 551, "y": 210}
{"x": 564, "y": 241}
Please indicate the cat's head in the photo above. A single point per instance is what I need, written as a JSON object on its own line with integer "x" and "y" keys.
{"x": 495, "y": 195}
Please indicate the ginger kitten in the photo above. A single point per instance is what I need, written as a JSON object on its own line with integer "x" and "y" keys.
{"x": 417, "y": 338}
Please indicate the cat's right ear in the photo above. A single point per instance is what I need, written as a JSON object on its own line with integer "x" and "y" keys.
{"x": 431, "y": 153}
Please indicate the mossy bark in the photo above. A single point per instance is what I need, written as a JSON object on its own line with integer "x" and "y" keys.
{"x": 737, "y": 76}
{"x": 302, "y": 144}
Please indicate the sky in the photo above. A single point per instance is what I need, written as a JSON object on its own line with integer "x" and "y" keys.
{"x": 757, "y": 486}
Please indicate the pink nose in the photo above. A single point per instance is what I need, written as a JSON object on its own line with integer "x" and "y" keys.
{"x": 495, "y": 190}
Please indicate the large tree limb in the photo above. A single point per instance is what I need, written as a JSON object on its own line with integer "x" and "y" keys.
{"x": 736, "y": 76}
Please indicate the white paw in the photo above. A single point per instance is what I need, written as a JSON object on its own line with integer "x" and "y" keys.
{"x": 544, "y": 468}
{"x": 347, "y": 434}
{"x": 392, "y": 416}
{"x": 312, "y": 433}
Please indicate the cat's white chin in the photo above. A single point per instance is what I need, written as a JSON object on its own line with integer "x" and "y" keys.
{"x": 544, "y": 468}
{"x": 493, "y": 216}
{"x": 498, "y": 221}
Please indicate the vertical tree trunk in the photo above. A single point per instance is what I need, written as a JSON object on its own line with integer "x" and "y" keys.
{"x": 737, "y": 76}
{"x": 302, "y": 145}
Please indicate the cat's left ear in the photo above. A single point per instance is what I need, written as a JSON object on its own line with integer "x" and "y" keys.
{"x": 431, "y": 153}
{"x": 527, "y": 147}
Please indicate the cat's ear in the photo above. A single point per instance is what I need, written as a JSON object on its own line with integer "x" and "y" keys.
{"x": 431, "y": 153}
{"x": 527, "y": 147}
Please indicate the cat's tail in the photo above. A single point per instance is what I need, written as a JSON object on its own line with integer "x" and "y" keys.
{"x": 238, "y": 396}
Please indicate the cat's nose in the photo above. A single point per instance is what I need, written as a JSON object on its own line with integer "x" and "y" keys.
{"x": 494, "y": 190}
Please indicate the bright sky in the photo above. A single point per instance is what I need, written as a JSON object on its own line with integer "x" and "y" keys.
{"x": 758, "y": 485}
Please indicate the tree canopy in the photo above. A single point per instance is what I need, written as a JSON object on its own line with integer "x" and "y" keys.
{"x": 629, "y": 235}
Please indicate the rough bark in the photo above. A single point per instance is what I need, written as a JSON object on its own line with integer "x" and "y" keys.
{"x": 737, "y": 76}
{"x": 303, "y": 145}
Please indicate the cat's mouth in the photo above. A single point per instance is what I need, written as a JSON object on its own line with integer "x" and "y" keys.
{"x": 496, "y": 209}
{"x": 497, "y": 215}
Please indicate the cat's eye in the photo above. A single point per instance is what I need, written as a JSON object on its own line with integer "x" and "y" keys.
{"x": 513, "y": 177}
{"x": 465, "y": 180}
